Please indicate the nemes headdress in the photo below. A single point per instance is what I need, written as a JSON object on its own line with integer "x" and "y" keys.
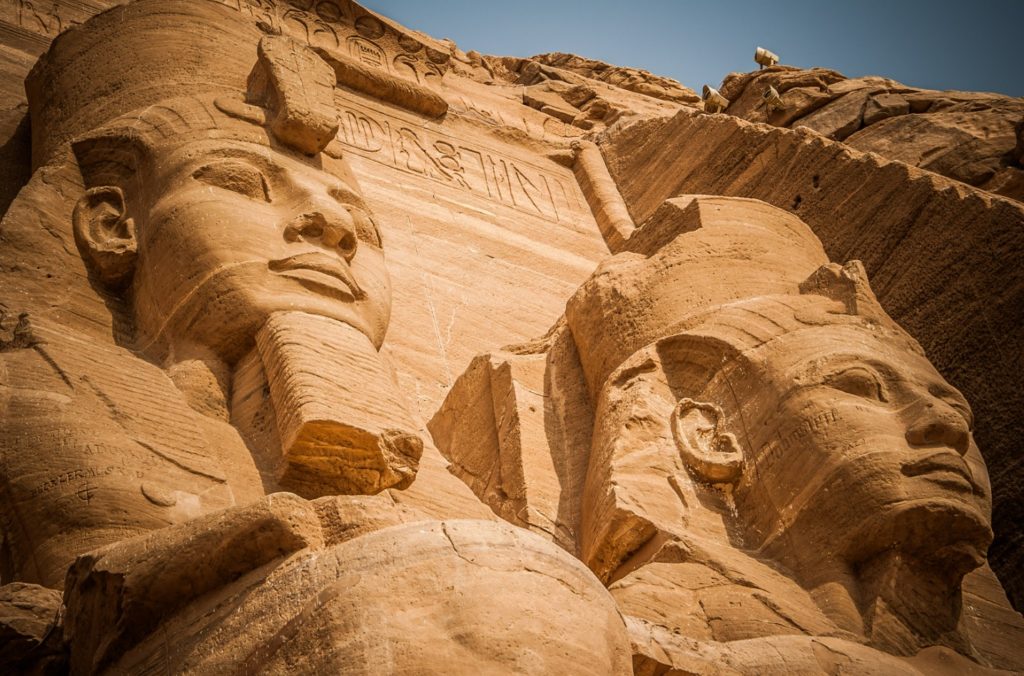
{"x": 160, "y": 71}
{"x": 720, "y": 276}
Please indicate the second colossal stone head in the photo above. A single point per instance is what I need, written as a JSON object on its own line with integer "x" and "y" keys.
{"x": 786, "y": 395}
{"x": 833, "y": 437}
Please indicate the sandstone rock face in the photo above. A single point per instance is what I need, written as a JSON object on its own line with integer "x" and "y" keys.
{"x": 354, "y": 587}
{"x": 632, "y": 79}
{"x": 585, "y": 94}
{"x": 30, "y": 628}
{"x": 929, "y": 244}
{"x": 968, "y": 136}
{"x": 328, "y": 347}
{"x": 724, "y": 431}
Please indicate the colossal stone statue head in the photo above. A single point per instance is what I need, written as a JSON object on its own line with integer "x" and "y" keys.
{"x": 852, "y": 445}
{"x": 216, "y": 204}
{"x": 210, "y": 197}
{"x": 189, "y": 155}
{"x": 734, "y": 436}
{"x": 833, "y": 435}
{"x": 791, "y": 418}
{"x": 208, "y": 294}
{"x": 225, "y": 233}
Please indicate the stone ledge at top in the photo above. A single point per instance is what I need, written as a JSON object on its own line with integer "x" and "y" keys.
{"x": 631, "y": 79}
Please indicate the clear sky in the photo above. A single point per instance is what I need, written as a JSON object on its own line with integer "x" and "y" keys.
{"x": 973, "y": 45}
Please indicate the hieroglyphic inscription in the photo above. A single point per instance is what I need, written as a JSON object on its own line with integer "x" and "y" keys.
{"x": 86, "y": 492}
{"x": 405, "y": 64}
{"x": 314, "y": 28}
{"x": 48, "y": 18}
{"x": 273, "y": 12}
{"x": 334, "y": 23}
{"x": 38, "y": 19}
{"x": 482, "y": 171}
{"x": 317, "y": 21}
{"x": 367, "y": 53}
{"x": 75, "y": 476}
{"x": 87, "y": 461}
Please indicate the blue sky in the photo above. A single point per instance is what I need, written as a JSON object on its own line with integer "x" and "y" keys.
{"x": 976, "y": 45}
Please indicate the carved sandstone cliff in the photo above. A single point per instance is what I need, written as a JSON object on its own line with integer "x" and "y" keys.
{"x": 930, "y": 245}
{"x": 307, "y": 318}
{"x": 972, "y": 137}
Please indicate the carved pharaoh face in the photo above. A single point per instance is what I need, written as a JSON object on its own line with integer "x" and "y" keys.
{"x": 231, "y": 231}
{"x": 855, "y": 445}
{"x": 836, "y": 443}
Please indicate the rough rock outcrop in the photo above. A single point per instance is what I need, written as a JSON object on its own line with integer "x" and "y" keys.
{"x": 30, "y": 629}
{"x": 589, "y": 94}
{"x": 326, "y": 346}
{"x": 631, "y": 79}
{"x": 971, "y": 137}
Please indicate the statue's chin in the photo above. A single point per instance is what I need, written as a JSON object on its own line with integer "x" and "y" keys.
{"x": 952, "y": 535}
{"x": 225, "y": 313}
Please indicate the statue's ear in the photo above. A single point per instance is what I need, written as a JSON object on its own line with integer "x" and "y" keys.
{"x": 712, "y": 454}
{"x": 105, "y": 233}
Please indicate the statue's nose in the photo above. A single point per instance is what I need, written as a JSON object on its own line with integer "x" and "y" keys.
{"x": 330, "y": 226}
{"x": 938, "y": 424}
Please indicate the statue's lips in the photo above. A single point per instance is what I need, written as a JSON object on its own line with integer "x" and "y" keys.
{"x": 947, "y": 466}
{"x": 320, "y": 270}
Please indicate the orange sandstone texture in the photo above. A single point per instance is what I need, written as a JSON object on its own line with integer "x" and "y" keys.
{"x": 972, "y": 137}
{"x": 942, "y": 257}
{"x": 326, "y": 346}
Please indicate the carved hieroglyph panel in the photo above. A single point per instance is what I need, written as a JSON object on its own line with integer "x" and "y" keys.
{"x": 480, "y": 170}
{"x": 485, "y": 238}
{"x": 341, "y": 24}
{"x": 29, "y": 25}
{"x": 45, "y": 19}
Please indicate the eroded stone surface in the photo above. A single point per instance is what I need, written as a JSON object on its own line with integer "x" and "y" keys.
{"x": 967, "y": 136}
{"x": 928, "y": 243}
{"x": 774, "y": 465}
{"x": 271, "y": 380}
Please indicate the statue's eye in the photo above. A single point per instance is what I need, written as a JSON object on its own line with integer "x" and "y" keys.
{"x": 236, "y": 176}
{"x": 858, "y": 381}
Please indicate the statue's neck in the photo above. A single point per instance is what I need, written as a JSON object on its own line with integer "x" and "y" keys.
{"x": 908, "y": 604}
{"x": 896, "y": 601}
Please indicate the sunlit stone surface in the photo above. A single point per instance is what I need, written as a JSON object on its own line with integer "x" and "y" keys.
{"x": 327, "y": 347}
